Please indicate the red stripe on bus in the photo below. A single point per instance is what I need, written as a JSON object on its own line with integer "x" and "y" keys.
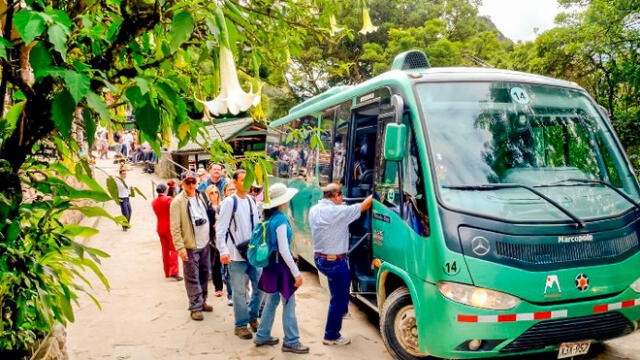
{"x": 468, "y": 318}
{"x": 542, "y": 315}
{"x": 628, "y": 303}
{"x": 601, "y": 308}
{"x": 507, "y": 318}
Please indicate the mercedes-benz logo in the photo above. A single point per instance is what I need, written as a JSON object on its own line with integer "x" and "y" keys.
{"x": 480, "y": 246}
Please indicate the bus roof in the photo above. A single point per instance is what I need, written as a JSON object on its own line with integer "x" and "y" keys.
{"x": 336, "y": 95}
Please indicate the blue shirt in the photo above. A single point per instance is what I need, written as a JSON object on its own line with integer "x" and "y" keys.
{"x": 220, "y": 184}
{"x": 330, "y": 226}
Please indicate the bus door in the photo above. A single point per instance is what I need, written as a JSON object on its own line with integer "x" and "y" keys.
{"x": 359, "y": 182}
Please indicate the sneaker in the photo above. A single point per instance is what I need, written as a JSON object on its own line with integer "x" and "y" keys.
{"x": 243, "y": 333}
{"x": 218, "y": 293}
{"x": 271, "y": 341}
{"x": 197, "y": 315}
{"x": 254, "y": 325}
{"x": 229, "y": 302}
{"x": 176, "y": 278}
{"x": 206, "y": 307}
{"x": 340, "y": 341}
{"x": 296, "y": 349}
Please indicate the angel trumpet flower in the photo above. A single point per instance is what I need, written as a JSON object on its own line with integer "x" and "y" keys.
{"x": 232, "y": 99}
{"x": 367, "y": 26}
{"x": 334, "y": 28}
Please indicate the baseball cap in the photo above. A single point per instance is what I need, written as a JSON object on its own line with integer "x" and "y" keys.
{"x": 188, "y": 174}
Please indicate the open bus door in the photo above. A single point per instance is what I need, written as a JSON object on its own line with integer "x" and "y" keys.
{"x": 364, "y": 146}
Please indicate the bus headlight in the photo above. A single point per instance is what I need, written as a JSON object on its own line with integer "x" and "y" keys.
{"x": 636, "y": 286}
{"x": 477, "y": 297}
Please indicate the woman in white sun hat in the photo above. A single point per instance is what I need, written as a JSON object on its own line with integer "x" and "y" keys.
{"x": 281, "y": 278}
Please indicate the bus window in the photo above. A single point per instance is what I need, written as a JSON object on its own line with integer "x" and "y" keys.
{"x": 324, "y": 156}
{"x": 295, "y": 158}
{"x": 274, "y": 139}
{"x": 343, "y": 114}
{"x": 409, "y": 199}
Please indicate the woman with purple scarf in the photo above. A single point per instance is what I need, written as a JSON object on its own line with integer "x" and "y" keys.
{"x": 281, "y": 278}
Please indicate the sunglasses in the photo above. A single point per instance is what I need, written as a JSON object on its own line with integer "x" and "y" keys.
{"x": 190, "y": 181}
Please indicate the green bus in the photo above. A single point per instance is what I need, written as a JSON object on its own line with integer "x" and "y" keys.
{"x": 506, "y": 213}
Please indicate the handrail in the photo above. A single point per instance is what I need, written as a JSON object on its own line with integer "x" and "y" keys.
{"x": 358, "y": 243}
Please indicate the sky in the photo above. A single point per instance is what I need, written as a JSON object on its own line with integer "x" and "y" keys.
{"x": 516, "y": 19}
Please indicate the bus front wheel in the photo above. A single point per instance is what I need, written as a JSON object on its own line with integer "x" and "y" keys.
{"x": 398, "y": 326}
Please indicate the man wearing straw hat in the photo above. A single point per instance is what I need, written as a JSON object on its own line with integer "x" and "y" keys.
{"x": 329, "y": 221}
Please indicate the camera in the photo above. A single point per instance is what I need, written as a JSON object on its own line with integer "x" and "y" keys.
{"x": 200, "y": 222}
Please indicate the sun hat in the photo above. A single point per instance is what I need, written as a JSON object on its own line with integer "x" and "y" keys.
{"x": 279, "y": 194}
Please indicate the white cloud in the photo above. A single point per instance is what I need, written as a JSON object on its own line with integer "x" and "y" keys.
{"x": 516, "y": 19}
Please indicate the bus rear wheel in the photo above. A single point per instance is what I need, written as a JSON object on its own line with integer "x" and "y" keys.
{"x": 398, "y": 326}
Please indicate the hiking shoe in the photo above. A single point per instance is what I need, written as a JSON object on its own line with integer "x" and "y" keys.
{"x": 197, "y": 315}
{"x": 340, "y": 341}
{"x": 243, "y": 333}
{"x": 271, "y": 341}
{"x": 206, "y": 307}
{"x": 254, "y": 325}
{"x": 296, "y": 349}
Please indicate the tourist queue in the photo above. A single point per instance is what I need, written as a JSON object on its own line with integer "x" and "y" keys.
{"x": 208, "y": 223}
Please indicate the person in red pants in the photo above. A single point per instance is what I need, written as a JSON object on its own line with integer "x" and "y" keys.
{"x": 161, "y": 206}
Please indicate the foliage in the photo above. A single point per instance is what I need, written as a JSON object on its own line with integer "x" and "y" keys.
{"x": 73, "y": 65}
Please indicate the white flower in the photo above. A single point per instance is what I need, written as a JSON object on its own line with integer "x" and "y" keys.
{"x": 334, "y": 26}
{"x": 231, "y": 99}
{"x": 367, "y": 26}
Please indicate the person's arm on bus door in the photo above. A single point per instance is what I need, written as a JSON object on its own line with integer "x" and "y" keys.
{"x": 366, "y": 204}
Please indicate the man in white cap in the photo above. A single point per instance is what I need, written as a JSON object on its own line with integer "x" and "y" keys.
{"x": 329, "y": 221}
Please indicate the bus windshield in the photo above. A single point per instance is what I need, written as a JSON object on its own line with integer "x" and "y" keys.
{"x": 539, "y": 136}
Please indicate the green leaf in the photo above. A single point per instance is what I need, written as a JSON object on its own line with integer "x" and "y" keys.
{"x": 89, "y": 126}
{"x": 4, "y": 45}
{"x": 59, "y": 16}
{"x": 136, "y": 190}
{"x": 40, "y": 59}
{"x": 113, "y": 189}
{"x": 58, "y": 37}
{"x": 77, "y": 83}
{"x": 143, "y": 84}
{"x": 29, "y": 24}
{"x": 62, "y": 112}
{"x": 18, "y": 95}
{"x": 181, "y": 28}
{"x": 98, "y": 105}
{"x": 134, "y": 94}
{"x": 78, "y": 230}
{"x": 148, "y": 119}
{"x": 13, "y": 115}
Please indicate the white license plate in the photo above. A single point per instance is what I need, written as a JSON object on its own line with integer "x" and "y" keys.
{"x": 568, "y": 350}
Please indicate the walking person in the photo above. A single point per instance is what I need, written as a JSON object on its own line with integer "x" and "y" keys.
{"x": 213, "y": 194}
{"x": 329, "y": 221}
{"x": 191, "y": 225}
{"x": 238, "y": 215}
{"x": 161, "y": 207}
{"x": 124, "y": 192}
{"x": 281, "y": 278}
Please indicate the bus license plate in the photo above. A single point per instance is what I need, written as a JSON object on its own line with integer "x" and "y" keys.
{"x": 568, "y": 350}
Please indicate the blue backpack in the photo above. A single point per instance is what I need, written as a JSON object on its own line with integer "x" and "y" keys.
{"x": 260, "y": 249}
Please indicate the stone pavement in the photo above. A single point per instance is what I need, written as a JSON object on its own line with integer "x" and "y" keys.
{"x": 145, "y": 316}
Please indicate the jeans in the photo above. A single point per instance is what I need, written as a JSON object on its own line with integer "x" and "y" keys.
{"x": 125, "y": 208}
{"x": 244, "y": 312}
{"x": 227, "y": 280}
{"x": 196, "y": 276}
{"x": 289, "y": 321}
{"x": 337, "y": 272}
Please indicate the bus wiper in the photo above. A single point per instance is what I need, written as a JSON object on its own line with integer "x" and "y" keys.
{"x": 484, "y": 187}
{"x": 597, "y": 182}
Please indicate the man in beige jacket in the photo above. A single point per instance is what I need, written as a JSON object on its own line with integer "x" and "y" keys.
{"x": 192, "y": 223}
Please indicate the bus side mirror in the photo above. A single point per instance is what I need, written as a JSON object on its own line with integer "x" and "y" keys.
{"x": 395, "y": 141}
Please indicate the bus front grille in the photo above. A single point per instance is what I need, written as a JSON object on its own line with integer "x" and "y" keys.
{"x": 568, "y": 252}
{"x": 554, "y": 332}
